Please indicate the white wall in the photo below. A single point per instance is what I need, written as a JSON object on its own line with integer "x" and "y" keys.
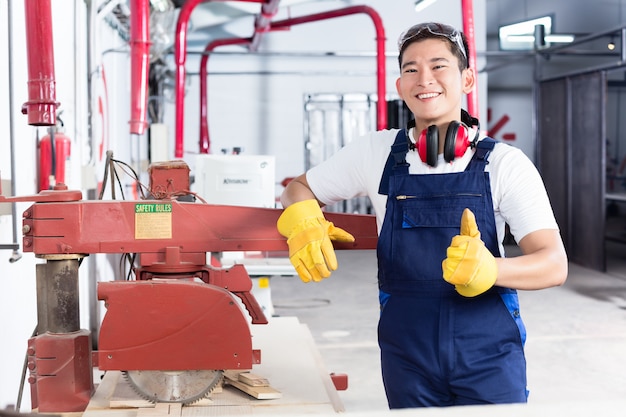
{"x": 511, "y": 119}
{"x": 263, "y": 114}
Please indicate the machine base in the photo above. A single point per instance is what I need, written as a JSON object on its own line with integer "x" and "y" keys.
{"x": 56, "y": 362}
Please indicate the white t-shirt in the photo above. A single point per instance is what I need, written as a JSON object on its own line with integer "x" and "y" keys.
{"x": 519, "y": 196}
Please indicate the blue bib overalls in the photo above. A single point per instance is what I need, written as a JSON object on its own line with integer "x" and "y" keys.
{"x": 439, "y": 348}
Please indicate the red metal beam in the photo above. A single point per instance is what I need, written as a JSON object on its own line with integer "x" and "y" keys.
{"x": 98, "y": 226}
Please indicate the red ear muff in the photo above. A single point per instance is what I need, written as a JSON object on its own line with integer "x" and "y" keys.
{"x": 428, "y": 145}
{"x": 456, "y": 142}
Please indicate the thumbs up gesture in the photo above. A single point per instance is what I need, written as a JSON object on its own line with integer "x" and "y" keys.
{"x": 469, "y": 265}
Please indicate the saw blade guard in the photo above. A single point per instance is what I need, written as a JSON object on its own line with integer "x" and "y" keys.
{"x": 165, "y": 325}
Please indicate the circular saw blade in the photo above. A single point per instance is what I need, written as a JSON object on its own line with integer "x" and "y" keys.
{"x": 184, "y": 387}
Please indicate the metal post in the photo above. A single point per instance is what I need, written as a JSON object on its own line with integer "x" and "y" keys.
{"x": 57, "y": 296}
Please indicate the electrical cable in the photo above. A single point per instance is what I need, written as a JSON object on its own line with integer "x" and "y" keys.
{"x": 131, "y": 262}
{"x": 109, "y": 155}
{"x": 110, "y": 169}
{"x": 115, "y": 175}
{"x": 112, "y": 174}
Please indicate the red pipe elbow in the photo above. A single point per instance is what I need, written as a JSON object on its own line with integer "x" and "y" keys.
{"x": 205, "y": 141}
{"x": 381, "y": 104}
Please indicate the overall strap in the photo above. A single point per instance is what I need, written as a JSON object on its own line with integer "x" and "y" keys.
{"x": 396, "y": 162}
{"x": 481, "y": 156}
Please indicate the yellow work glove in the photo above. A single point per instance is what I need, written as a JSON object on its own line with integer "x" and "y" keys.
{"x": 309, "y": 237}
{"x": 470, "y": 267}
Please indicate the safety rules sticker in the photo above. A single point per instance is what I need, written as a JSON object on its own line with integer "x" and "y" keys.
{"x": 153, "y": 221}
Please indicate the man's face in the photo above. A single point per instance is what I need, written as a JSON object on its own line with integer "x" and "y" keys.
{"x": 431, "y": 83}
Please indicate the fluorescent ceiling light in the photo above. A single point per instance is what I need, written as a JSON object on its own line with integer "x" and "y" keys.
{"x": 559, "y": 38}
{"x": 521, "y": 36}
{"x": 527, "y": 27}
{"x": 548, "y": 38}
{"x": 422, "y": 4}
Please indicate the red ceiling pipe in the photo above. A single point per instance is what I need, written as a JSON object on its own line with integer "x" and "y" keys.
{"x": 263, "y": 21}
{"x": 261, "y": 26}
{"x": 180, "y": 56}
{"x": 139, "y": 61}
{"x": 41, "y": 105}
{"x": 180, "y": 51}
{"x": 205, "y": 142}
{"x": 380, "y": 48}
{"x": 468, "y": 28}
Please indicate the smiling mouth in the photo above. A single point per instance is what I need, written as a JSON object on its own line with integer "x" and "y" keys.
{"x": 427, "y": 95}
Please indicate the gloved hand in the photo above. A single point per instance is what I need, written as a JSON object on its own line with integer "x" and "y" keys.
{"x": 309, "y": 237}
{"x": 469, "y": 265}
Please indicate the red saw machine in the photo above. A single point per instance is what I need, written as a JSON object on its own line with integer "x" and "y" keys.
{"x": 176, "y": 327}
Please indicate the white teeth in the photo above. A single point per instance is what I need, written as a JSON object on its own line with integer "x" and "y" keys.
{"x": 427, "y": 95}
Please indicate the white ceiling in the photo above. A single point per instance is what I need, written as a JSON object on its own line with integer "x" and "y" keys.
{"x": 215, "y": 19}
{"x": 212, "y": 18}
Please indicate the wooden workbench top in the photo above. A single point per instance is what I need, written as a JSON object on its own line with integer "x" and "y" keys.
{"x": 289, "y": 361}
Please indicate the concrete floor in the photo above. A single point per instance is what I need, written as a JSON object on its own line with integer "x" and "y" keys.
{"x": 576, "y": 345}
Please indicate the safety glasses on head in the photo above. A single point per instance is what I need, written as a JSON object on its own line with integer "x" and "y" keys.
{"x": 436, "y": 29}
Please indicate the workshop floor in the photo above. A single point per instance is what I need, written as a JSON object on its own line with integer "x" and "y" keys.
{"x": 576, "y": 346}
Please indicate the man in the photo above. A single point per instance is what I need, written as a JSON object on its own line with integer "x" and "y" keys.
{"x": 450, "y": 330}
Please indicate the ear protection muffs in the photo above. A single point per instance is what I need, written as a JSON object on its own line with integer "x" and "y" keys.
{"x": 455, "y": 143}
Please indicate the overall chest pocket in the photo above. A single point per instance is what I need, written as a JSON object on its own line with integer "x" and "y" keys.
{"x": 439, "y": 212}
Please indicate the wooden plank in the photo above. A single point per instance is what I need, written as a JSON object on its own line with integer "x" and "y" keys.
{"x": 253, "y": 380}
{"x": 260, "y": 392}
{"x": 124, "y": 396}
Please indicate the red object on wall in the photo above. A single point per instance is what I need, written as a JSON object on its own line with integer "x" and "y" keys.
{"x": 54, "y": 157}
